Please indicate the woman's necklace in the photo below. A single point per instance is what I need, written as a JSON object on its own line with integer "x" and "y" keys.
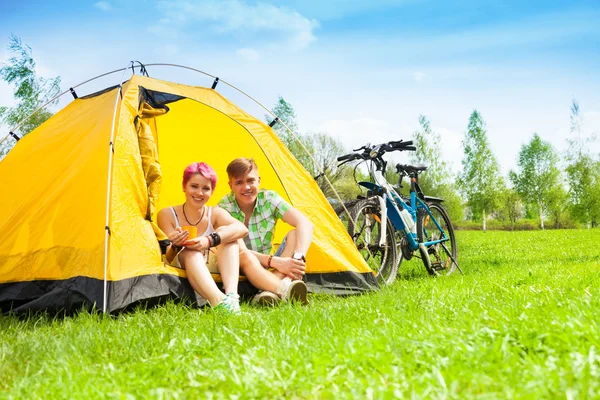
{"x": 186, "y": 218}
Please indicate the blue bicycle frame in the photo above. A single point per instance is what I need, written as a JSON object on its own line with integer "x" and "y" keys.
{"x": 389, "y": 202}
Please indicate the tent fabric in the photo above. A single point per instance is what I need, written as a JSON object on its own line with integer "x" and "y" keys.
{"x": 55, "y": 184}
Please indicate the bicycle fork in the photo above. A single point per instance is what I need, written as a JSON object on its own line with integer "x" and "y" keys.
{"x": 383, "y": 216}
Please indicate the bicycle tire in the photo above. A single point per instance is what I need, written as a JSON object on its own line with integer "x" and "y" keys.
{"x": 441, "y": 263}
{"x": 365, "y": 230}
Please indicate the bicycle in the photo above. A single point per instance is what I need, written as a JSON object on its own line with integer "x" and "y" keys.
{"x": 421, "y": 222}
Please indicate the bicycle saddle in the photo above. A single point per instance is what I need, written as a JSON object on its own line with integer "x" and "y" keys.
{"x": 412, "y": 168}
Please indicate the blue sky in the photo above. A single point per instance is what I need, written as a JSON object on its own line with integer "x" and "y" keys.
{"x": 360, "y": 71}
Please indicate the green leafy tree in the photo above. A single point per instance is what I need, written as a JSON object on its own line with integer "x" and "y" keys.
{"x": 557, "y": 210}
{"x": 438, "y": 179}
{"x": 537, "y": 175}
{"x": 512, "y": 207}
{"x": 480, "y": 178}
{"x": 286, "y": 114}
{"x": 323, "y": 148}
{"x": 582, "y": 171}
{"x": 595, "y": 194}
{"x": 30, "y": 90}
{"x": 326, "y": 149}
{"x": 429, "y": 152}
{"x": 346, "y": 185}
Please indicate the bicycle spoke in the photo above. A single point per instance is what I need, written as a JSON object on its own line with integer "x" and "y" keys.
{"x": 365, "y": 230}
{"x": 433, "y": 226}
{"x": 451, "y": 258}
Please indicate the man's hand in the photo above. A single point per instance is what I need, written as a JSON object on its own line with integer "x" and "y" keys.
{"x": 290, "y": 267}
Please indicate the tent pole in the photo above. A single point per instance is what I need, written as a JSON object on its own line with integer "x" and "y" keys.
{"x": 108, "y": 191}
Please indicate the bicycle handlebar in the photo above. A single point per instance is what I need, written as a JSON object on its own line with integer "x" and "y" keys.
{"x": 397, "y": 145}
{"x": 347, "y": 157}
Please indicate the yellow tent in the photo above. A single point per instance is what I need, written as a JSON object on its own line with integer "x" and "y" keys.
{"x": 80, "y": 192}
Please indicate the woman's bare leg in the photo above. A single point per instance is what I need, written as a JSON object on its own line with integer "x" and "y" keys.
{"x": 199, "y": 276}
{"x": 228, "y": 262}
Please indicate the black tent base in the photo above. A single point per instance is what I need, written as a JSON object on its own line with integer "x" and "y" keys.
{"x": 72, "y": 295}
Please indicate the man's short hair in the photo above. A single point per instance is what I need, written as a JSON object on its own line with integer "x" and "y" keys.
{"x": 240, "y": 167}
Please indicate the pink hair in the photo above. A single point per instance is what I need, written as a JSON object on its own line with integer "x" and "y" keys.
{"x": 202, "y": 169}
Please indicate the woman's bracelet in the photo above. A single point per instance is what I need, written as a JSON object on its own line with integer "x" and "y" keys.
{"x": 269, "y": 261}
{"x": 215, "y": 239}
{"x": 176, "y": 248}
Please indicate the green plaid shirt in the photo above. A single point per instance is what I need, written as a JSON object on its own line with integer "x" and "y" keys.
{"x": 261, "y": 226}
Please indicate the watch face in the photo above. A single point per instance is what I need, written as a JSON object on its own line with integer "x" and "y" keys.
{"x": 299, "y": 256}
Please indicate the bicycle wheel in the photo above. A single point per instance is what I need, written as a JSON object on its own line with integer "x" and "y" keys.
{"x": 365, "y": 229}
{"x": 400, "y": 236}
{"x": 343, "y": 212}
{"x": 427, "y": 230}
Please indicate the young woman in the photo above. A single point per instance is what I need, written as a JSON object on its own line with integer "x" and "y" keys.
{"x": 216, "y": 246}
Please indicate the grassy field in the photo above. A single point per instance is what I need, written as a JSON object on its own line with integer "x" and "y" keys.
{"x": 522, "y": 323}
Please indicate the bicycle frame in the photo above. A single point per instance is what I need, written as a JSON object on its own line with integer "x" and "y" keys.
{"x": 389, "y": 202}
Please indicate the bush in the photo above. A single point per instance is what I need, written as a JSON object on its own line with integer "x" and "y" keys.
{"x": 496, "y": 225}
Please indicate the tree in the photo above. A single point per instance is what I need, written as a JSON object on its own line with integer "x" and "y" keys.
{"x": 326, "y": 149}
{"x": 323, "y": 148}
{"x": 582, "y": 171}
{"x": 30, "y": 90}
{"x": 557, "y": 210}
{"x": 480, "y": 178}
{"x": 429, "y": 152}
{"x": 286, "y": 114}
{"x": 345, "y": 184}
{"x": 594, "y": 213}
{"x": 512, "y": 206}
{"x": 537, "y": 176}
{"x": 437, "y": 180}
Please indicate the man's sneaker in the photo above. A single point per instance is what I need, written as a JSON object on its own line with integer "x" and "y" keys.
{"x": 230, "y": 304}
{"x": 296, "y": 291}
{"x": 266, "y": 299}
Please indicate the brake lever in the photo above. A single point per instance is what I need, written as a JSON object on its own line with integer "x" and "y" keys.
{"x": 363, "y": 147}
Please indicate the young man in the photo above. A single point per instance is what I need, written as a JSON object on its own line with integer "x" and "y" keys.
{"x": 259, "y": 210}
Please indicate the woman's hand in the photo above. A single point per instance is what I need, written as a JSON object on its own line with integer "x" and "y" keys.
{"x": 289, "y": 266}
{"x": 178, "y": 237}
{"x": 201, "y": 243}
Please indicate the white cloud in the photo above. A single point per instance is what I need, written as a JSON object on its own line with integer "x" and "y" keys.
{"x": 164, "y": 30}
{"x": 360, "y": 131}
{"x": 236, "y": 18}
{"x": 591, "y": 125}
{"x": 419, "y": 76}
{"x": 103, "y": 6}
{"x": 168, "y": 50}
{"x": 591, "y": 121}
{"x": 6, "y": 94}
{"x": 248, "y": 54}
{"x": 451, "y": 143}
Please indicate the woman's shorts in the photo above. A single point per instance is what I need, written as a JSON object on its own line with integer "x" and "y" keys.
{"x": 210, "y": 257}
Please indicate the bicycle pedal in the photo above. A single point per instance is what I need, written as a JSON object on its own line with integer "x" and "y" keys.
{"x": 438, "y": 266}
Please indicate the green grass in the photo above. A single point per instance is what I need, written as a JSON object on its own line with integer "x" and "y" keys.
{"x": 522, "y": 323}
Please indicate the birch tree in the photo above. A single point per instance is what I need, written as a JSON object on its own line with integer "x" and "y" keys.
{"x": 480, "y": 178}
{"x": 30, "y": 91}
{"x": 537, "y": 175}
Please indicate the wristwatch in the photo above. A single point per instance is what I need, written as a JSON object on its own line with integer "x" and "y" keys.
{"x": 299, "y": 256}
